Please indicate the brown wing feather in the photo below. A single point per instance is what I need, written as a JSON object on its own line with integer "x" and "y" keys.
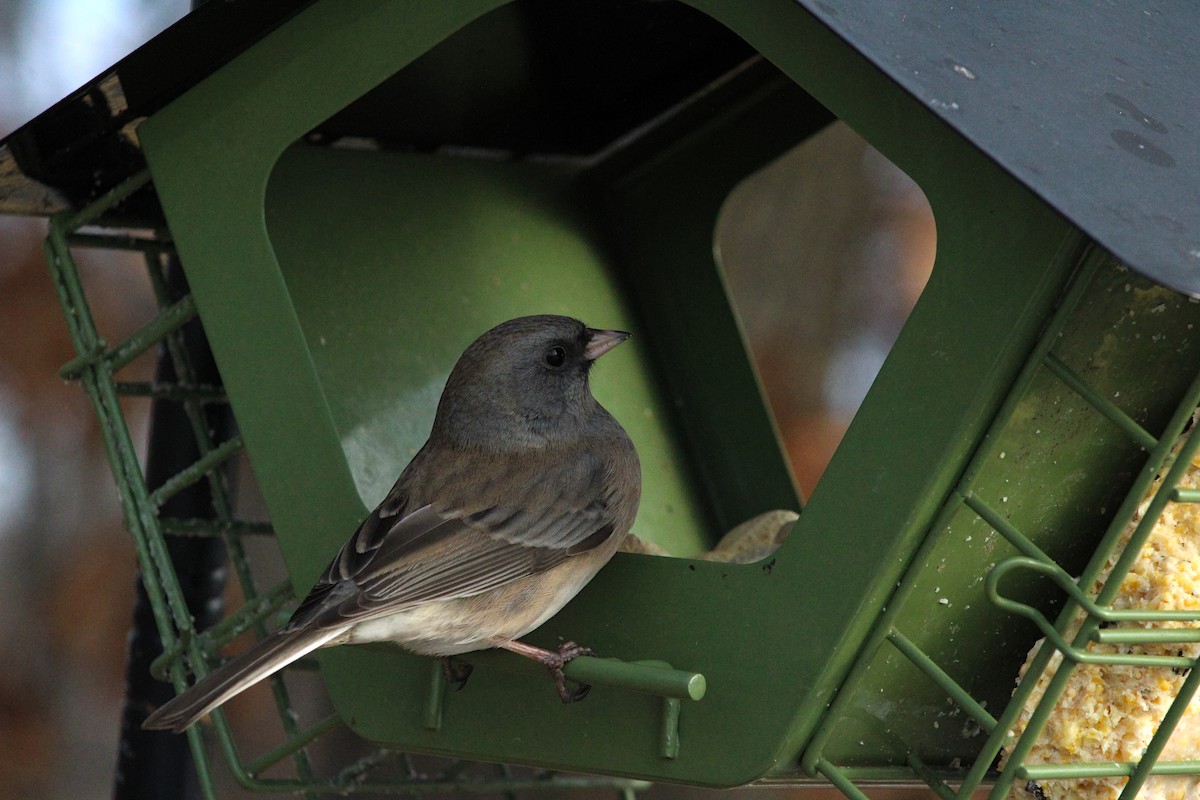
{"x": 400, "y": 557}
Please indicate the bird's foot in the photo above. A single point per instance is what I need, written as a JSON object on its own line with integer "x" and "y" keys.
{"x": 567, "y": 651}
{"x": 554, "y": 661}
{"x": 456, "y": 672}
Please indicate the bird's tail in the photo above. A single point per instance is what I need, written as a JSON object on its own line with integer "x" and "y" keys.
{"x": 262, "y": 660}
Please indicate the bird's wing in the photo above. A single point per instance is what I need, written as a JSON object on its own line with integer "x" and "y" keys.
{"x": 403, "y": 558}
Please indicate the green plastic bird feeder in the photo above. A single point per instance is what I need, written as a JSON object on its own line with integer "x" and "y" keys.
{"x": 357, "y": 190}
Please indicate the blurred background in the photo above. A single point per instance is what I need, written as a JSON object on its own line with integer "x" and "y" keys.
{"x": 825, "y": 252}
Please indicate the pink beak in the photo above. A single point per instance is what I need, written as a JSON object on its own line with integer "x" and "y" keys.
{"x": 600, "y": 342}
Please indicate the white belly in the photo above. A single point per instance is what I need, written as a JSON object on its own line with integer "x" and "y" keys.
{"x": 430, "y": 629}
{"x": 449, "y": 627}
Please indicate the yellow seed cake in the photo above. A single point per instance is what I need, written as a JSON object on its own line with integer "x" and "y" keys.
{"x": 1110, "y": 713}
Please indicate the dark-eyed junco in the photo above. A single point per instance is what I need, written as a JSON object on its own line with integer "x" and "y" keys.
{"x": 523, "y": 491}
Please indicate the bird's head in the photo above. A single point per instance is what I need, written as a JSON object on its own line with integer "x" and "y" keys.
{"x": 525, "y": 382}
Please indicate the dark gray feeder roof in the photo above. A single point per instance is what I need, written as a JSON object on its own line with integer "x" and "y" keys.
{"x": 1095, "y": 106}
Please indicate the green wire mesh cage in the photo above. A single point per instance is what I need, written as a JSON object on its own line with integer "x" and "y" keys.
{"x": 286, "y": 766}
{"x": 1038, "y": 538}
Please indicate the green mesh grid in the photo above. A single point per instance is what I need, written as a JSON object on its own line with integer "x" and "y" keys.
{"x": 187, "y": 650}
{"x": 1165, "y": 454}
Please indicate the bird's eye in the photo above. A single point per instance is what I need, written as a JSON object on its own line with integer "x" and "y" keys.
{"x": 555, "y": 356}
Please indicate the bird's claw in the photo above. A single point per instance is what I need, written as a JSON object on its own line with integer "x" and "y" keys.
{"x": 556, "y": 660}
{"x": 456, "y": 672}
{"x": 565, "y": 694}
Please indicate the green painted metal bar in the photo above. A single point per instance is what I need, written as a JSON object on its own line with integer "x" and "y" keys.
{"x": 170, "y": 609}
{"x": 1072, "y": 652}
{"x": 185, "y": 372}
{"x": 293, "y": 744}
{"x": 1146, "y": 635}
{"x": 841, "y": 781}
{"x": 420, "y": 785}
{"x": 80, "y": 321}
{"x": 1105, "y": 769}
{"x": 166, "y": 600}
{"x": 939, "y": 676}
{"x": 73, "y": 369}
{"x": 1102, "y": 404}
{"x": 494, "y": 786}
{"x": 1006, "y": 529}
{"x": 249, "y": 615}
{"x": 165, "y": 593}
{"x": 1179, "y": 495}
{"x": 73, "y": 221}
{"x": 162, "y": 667}
{"x": 167, "y": 603}
{"x": 635, "y": 676}
{"x": 169, "y": 320}
{"x": 650, "y": 677}
{"x": 922, "y": 771}
{"x": 465, "y": 784}
{"x": 70, "y": 292}
{"x": 1103, "y": 613}
{"x": 668, "y": 746}
{"x": 661, "y": 679}
{"x": 202, "y": 763}
{"x": 201, "y": 467}
{"x": 435, "y": 697}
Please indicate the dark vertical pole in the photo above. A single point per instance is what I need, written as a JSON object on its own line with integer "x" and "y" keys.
{"x": 157, "y": 764}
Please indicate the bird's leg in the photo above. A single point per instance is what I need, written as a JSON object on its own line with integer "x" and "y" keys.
{"x": 554, "y": 661}
{"x": 456, "y": 672}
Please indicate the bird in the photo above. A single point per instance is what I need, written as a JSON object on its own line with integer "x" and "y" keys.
{"x": 524, "y": 489}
